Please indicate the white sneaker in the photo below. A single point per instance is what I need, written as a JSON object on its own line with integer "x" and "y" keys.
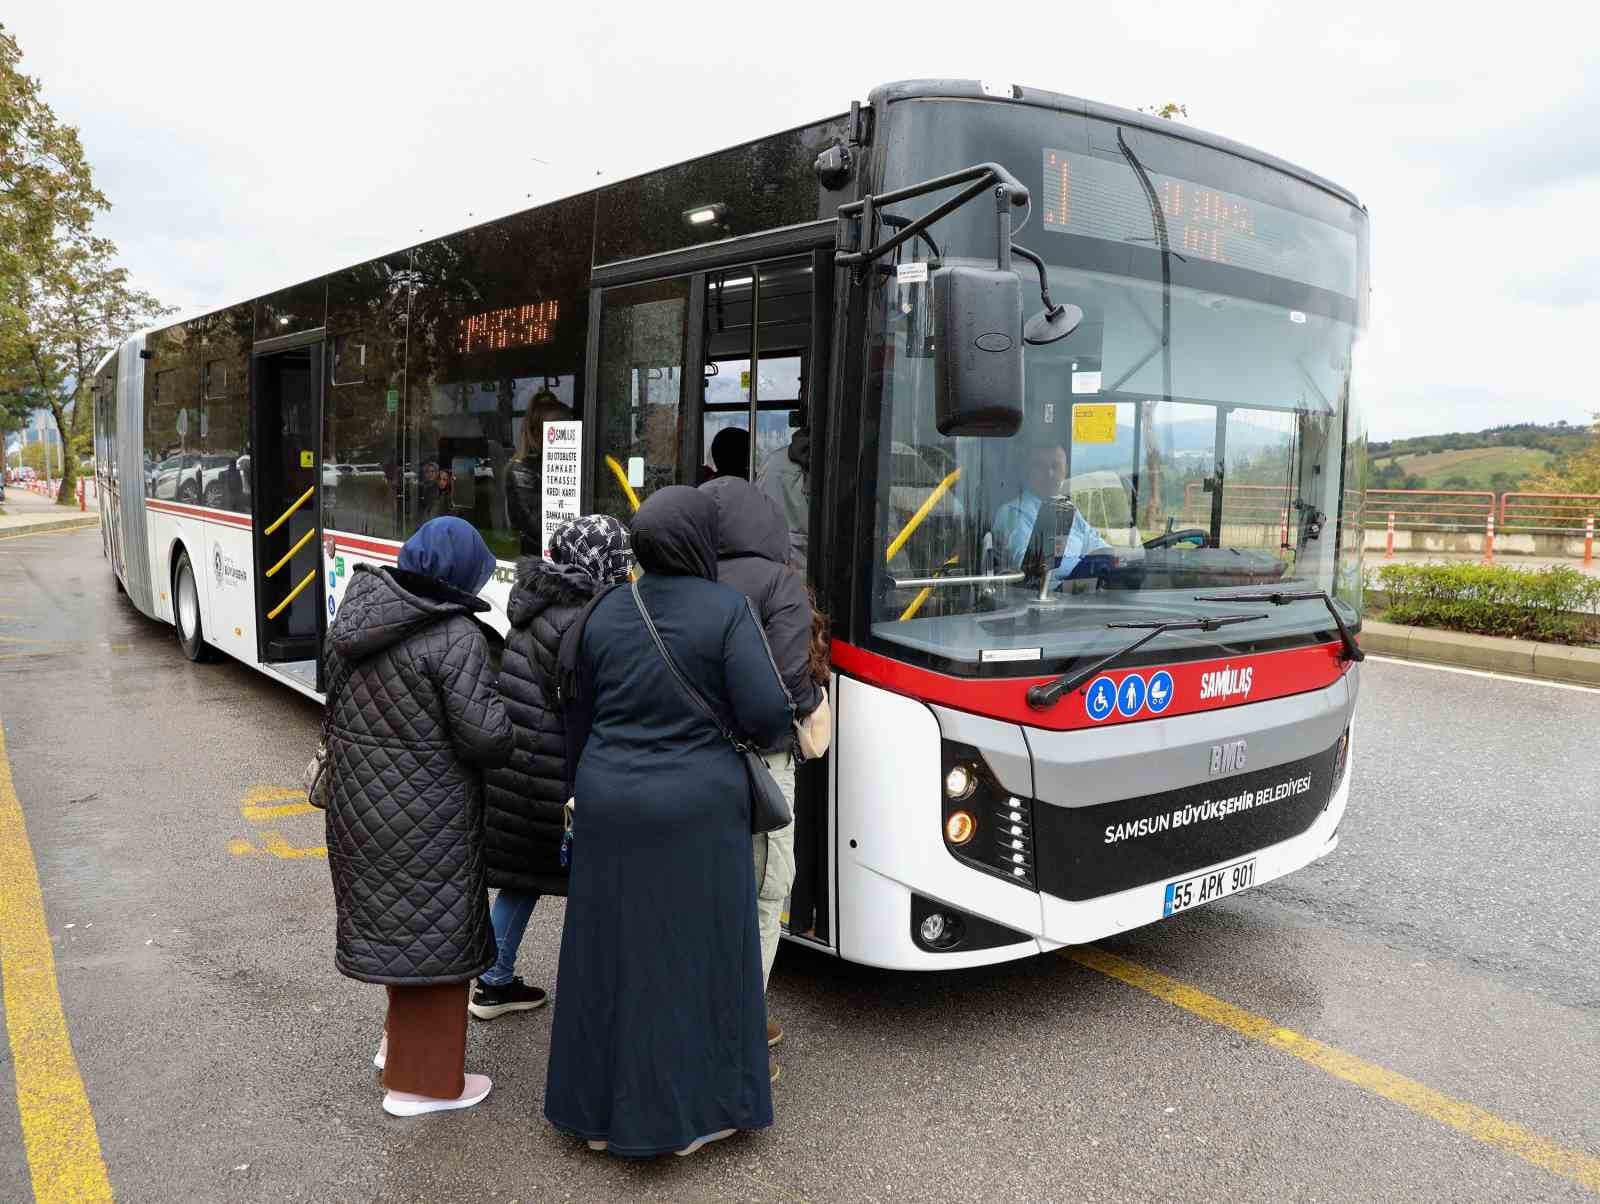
{"x": 706, "y": 1140}
{"x": 403, "y": 1103}
{"x": 599, "y": 1147}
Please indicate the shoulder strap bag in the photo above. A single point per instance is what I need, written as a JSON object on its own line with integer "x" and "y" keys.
{"x": 318, "y": 777}
{"x": 769, "y": 809}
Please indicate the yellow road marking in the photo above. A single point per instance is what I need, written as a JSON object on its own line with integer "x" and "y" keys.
{"x": 279, "y": 847}
{"x": 58, "y": 1129}
{"x": 1475, "y": 1122}
{"x": 76, "y": 527}
{"x": 265, "y": 803}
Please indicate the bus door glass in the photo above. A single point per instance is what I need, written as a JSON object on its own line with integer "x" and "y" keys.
{"x": 289, "y": 592}
{"x": 642, "y": 346}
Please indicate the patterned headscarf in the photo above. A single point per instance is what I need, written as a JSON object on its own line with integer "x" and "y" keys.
{"x": 595, "y": 543}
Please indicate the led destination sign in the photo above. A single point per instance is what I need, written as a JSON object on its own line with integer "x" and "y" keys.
{"x": 528, "y": 325}
{"x": 1104, "y": 198}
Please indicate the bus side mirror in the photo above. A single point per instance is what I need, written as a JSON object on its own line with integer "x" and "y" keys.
{"x": 977, "y": 339}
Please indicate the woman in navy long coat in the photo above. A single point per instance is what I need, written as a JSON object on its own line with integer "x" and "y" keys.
{"x": 659, "y": 1041}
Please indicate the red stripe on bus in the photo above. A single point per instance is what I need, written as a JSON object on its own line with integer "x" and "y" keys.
{"x": 1196, "y": 685}
{"x": 373, "y": 547}
{"x": 227, "y": 518}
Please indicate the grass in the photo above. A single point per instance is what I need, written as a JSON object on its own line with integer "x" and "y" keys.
{"x": 1477, "y": 464}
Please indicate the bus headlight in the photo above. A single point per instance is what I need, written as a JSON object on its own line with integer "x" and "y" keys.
{"x": 959, "y": 784}
{"x": 984, "y": 825}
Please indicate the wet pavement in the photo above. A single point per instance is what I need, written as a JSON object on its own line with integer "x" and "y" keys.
{"x": 1448, "y": 943}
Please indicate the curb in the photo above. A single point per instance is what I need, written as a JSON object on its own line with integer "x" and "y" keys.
{"x": 1496, "y": 654}
{"x": 49, "y": 524}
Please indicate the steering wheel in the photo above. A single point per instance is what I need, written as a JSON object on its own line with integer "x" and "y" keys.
{"x": 1187, "y": 537}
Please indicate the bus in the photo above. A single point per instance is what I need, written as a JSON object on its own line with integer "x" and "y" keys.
{"x": 1059, "y": 398}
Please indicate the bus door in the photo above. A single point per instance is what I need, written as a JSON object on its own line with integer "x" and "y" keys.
{"x": 286, "y": 465}
{"x": 716, "y": 369}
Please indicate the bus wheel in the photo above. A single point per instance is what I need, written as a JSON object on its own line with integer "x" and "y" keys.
{"x": 186, "y": 611}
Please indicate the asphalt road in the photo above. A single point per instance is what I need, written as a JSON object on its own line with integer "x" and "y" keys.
{"x": 1451, "y": 939}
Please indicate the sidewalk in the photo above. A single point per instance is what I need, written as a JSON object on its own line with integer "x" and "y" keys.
{"x": 27, "y": 513}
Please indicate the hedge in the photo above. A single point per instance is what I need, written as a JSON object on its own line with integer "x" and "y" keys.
{"x": 1557, "y": 604}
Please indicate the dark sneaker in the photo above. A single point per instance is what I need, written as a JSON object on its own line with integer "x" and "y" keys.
{"x": 515, "y": 996}
{"x": 774, "y": 1033}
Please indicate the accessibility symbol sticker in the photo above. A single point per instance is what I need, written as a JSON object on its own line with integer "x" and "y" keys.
{"x": 1160, "y": 694}
{"x": 1101, "y": 699}
{"x": 1130, "y": 696}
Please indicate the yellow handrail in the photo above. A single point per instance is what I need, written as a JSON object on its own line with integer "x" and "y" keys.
{"x": 622, "y": 479}
{"x": 293, "y": 594}
{"x": 899, "y": 541}
{"x": 289, "y": 555}
{"x": 284, "y": 517}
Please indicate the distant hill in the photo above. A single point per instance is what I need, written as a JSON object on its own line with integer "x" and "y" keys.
{"x": 1501, "y": 458}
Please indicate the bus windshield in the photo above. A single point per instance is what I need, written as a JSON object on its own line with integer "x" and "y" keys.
{"x": 1189, "y": 438}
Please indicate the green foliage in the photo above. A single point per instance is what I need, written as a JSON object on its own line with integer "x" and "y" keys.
{"x": 1557, "y": 605}
{"x": 64, "y": 302}
{"x": 1578, "y": 471}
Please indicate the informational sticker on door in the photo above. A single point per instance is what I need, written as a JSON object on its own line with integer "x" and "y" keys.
{"x": 1094, "y": 424}
{"x": 307, "y": 460}
{"x": 563, "y": 460}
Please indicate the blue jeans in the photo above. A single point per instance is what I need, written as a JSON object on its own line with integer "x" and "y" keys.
{"x": 510, "y": 915}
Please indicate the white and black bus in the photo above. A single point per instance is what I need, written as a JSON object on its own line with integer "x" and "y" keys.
{"x": 1072, "y": 390}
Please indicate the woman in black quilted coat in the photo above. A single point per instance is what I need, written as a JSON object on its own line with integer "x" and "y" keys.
{"x": 413, "y": 719}
{"x": 524, "y": 800}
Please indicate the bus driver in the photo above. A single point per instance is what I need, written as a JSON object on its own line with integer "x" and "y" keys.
{"x": 1043, "y": 473}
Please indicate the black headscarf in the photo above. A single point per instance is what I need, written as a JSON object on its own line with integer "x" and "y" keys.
{"x": 675, "y": 533}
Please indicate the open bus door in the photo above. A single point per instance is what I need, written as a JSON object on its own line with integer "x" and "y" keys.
{"x": 286, "y": 465}
{"x": 684, "y": 347}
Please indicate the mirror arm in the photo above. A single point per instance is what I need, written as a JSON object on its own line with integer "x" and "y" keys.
{"x": 1008, "y": 190}
{"x": 1051, "y": 309}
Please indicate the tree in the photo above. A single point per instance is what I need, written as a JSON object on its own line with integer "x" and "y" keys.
{"x": 1576, "y": 472}
{"x": 1171, "y": 110}
{"x": 63, "y": 301}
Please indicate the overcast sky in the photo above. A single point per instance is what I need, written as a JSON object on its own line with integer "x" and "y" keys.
{"x": 248, "y": 147}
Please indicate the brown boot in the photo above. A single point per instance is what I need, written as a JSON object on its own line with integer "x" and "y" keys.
{"x": 774, "y": 1033}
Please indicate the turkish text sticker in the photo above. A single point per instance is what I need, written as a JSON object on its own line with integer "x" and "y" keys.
{"x": 1094, "y": 424}
{"x": 911, "y": 273}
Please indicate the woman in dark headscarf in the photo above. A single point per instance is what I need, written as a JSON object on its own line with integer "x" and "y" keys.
{"x": 524, "y": 800}
{"x": 659, "y": 1041}
{"x": 413, "y": 719}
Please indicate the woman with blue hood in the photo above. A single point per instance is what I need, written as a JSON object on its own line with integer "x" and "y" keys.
{"x": 413, "y": 720}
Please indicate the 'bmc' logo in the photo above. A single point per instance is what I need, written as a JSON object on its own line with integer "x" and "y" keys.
{"x": 1227, "y": 758}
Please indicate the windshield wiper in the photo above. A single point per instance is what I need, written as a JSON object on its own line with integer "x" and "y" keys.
{"x": 1045, "y": 695}
{"x": 1351, "y": 650}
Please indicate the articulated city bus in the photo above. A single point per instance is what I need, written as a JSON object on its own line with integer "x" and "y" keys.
{"x": 1060, "y": 399}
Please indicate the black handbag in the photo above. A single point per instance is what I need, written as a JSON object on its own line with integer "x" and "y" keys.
{"x": 769, "y": 809}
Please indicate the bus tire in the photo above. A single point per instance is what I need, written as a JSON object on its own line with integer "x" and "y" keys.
{"x": 186, "y": 611}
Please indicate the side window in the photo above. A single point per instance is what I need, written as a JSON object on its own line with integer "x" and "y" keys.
{"x": 643, "y": 335}
{"x": 172, "y": 415}
{"x": 497, "y": 339}
{"x": 363, "y": 487}
{"x": 225, "y": 410}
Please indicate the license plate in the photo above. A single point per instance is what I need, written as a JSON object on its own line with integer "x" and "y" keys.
{"x": 1207, "y": 887}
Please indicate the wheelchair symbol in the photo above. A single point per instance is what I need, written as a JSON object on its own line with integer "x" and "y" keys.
{"x": 1101, "y": 699}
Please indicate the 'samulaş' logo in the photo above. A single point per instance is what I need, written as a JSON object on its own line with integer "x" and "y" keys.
{"x": 1226, "y": 682}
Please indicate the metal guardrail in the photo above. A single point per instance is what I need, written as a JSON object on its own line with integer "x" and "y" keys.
{"x": 1430, "y": 509}
{"x": 1549, "y": 513}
